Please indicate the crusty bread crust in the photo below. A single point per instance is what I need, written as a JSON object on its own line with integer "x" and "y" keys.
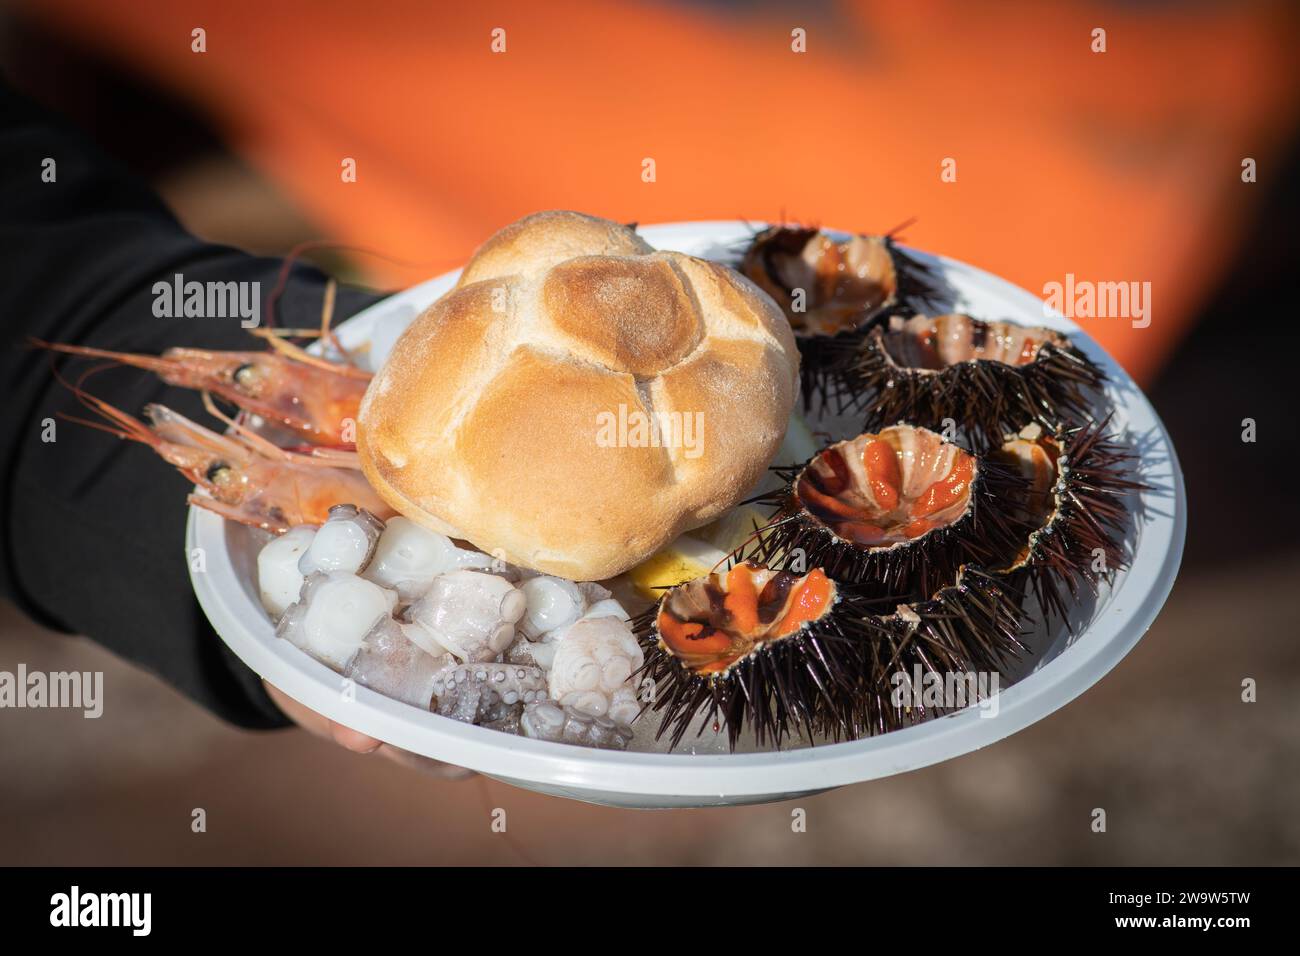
{"x": 489, "y": 421}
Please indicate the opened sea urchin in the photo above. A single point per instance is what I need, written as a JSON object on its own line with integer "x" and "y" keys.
{"x": 988, "y": 378}
{"x": 898, "y": 511}
{"x": 748, "y": 645}
{"x": 831, "y": 291}
{"x": 792, "y": 654}
{"x": 1075, "y": 512}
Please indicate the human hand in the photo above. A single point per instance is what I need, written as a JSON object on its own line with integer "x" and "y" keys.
{"x": 321, "y": 726}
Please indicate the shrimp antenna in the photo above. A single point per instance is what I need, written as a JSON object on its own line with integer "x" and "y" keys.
{"x": 263, "y": 445}
{"x": 241, "y": 431}
{"x": 128, "y": 427}
{"x": 299, "y": 354}
{"x": 149, "y": 363}
{"x": 326, "y": 315}
{"x": 297, "y": 252}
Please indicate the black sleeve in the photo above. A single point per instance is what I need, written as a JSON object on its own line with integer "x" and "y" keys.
{"x": 93, "y": 527}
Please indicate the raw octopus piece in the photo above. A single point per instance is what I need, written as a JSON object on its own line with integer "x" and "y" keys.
{"x": 442, "y": 657}
{"x": 547, "y": 720}
{"x": 278, "y": 579}
{"x": 504, "y": 718}
{"x": 469, "y": 613}
{"x": 408, "y": 558}
{"x": 552, "y": 603}
{"x": 593, "y": 661}
{"x": 600, "y": 601}
{"x": 345, "y": 542}
{"x": 334, "y": 615}
{"x": 593, "y": 592}
{"x": 606, "y": 608}
{"x": 389, "y": 663}
{"x": 472, "y": 692}
{"x": 539, "y": 651}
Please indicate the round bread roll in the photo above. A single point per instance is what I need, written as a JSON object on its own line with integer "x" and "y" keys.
{"x": 578, "y": 400}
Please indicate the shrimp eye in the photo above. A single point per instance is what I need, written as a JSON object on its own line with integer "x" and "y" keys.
{"x": 218, "y": 473}
{"x": 247, "y": 376}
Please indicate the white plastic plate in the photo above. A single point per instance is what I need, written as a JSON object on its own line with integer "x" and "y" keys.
{"x": 1061, "y": 668}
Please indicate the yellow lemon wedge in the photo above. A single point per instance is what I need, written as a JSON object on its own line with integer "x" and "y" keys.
{"x": 684, "y": 560}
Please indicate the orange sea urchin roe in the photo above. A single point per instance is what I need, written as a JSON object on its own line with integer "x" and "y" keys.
{"x": 881, "y": 465}
{"x": 947, "y": 491}
{"x": 827, "y": 505}
{"x": 742, "y": 598}
{"x": 868, "y": 504}
{"x": 811, "y": 599}
{"x": 690, "y": 639}
{"x": 740, "y": 618}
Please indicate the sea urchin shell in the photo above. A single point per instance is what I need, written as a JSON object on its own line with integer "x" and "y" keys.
{"x": 831, "y": 290}
{"x": 746, "y": 645}
{"x": 1075, "y": 513}
{"x": 794, "y": 654}
{"x": 899, "y": 510}
{"x": 989, "y": 378}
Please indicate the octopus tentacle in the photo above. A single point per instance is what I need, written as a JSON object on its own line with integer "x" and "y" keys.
{"x": 548, "y": 720}
{"x": 472, "y": 692}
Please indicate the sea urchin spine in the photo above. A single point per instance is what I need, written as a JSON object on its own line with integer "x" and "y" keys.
{"x": 799, "y": 655}
{"x": 1076, "y": 514}
{"x": 989, "y": 378}
{"x": 898, "y": 511}
{"x": 831, "y": 291}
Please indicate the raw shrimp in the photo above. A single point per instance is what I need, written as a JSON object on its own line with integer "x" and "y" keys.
{"x": 287, "y": 386}
{"x": 249, "y": 479}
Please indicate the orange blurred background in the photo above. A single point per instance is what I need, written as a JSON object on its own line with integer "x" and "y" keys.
{"x": 1123, "y": 165}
